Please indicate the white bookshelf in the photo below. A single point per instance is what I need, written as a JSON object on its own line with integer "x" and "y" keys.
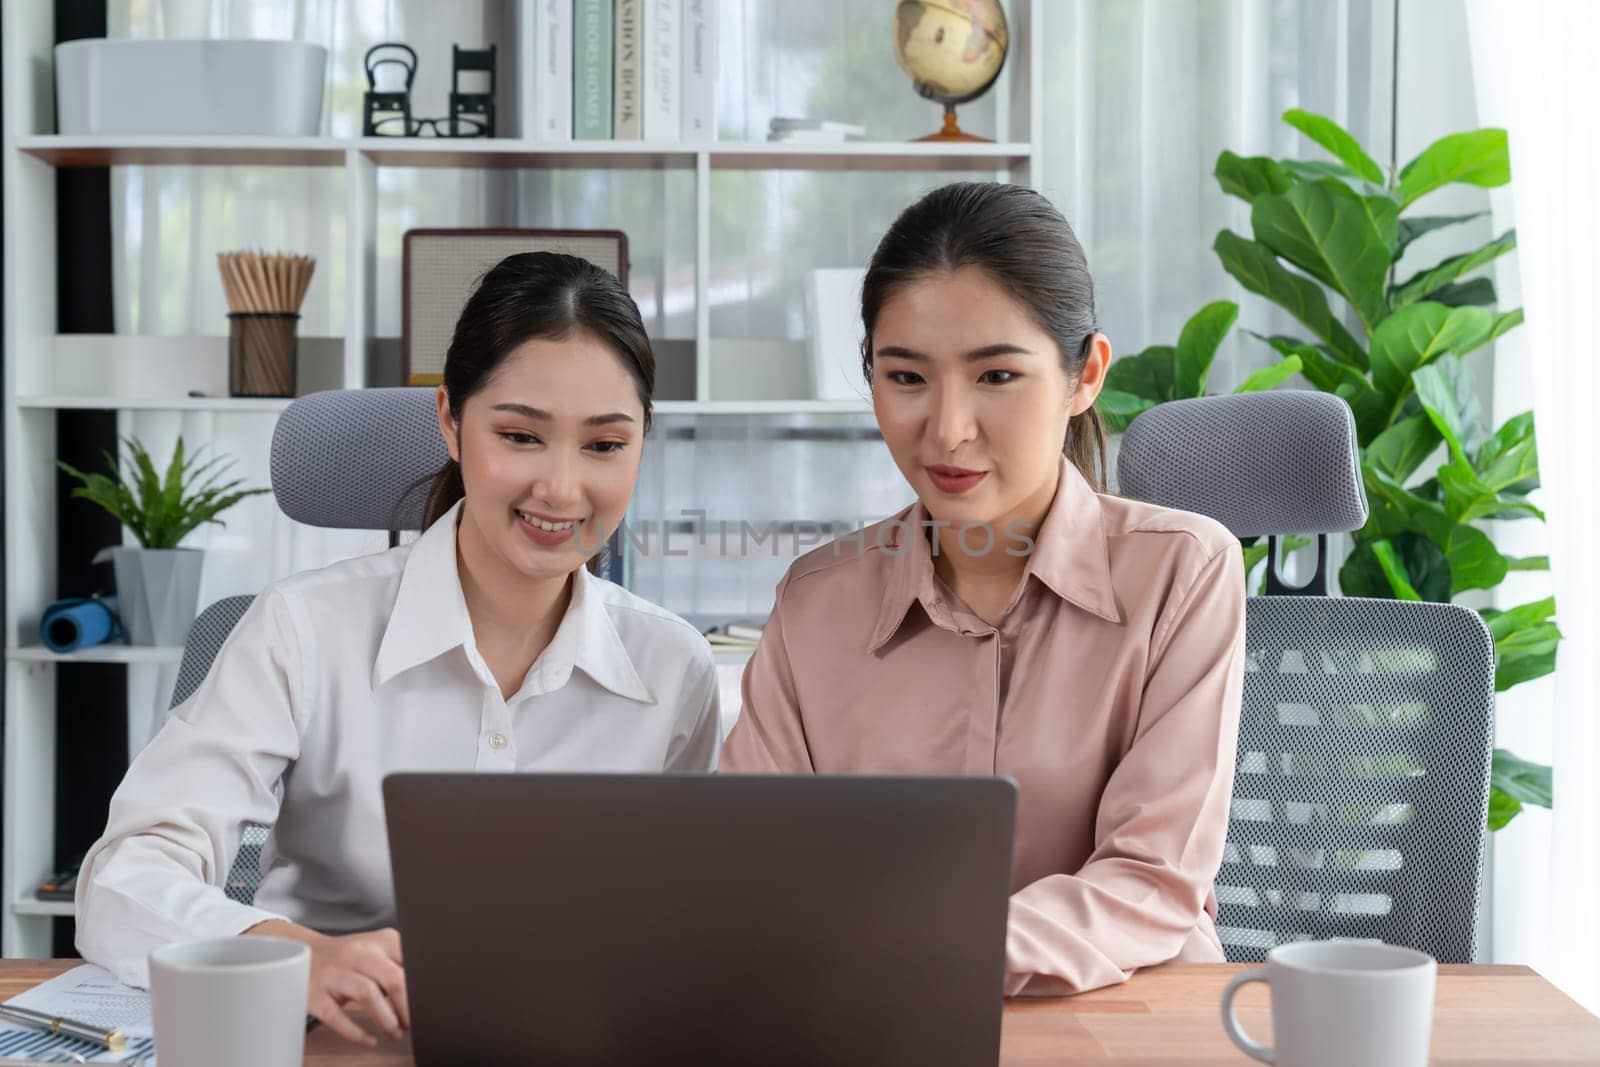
{"x": 36, "y": 388}
{"x": 107, "y": 653}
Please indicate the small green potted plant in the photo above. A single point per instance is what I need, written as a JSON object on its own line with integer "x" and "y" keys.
{"x": 158, "y": 583}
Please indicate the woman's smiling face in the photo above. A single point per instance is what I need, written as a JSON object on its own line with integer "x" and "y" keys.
{"x": 972, "y": 399}
{"x": 549, "y": 451}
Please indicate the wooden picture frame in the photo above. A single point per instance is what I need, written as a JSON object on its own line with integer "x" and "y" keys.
{"x": 440, "y": 268}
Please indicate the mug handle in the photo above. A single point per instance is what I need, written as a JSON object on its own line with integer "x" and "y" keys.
{"x": 1230, "y": 1022}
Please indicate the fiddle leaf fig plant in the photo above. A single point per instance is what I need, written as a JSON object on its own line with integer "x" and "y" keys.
{"x": 1326, "y": 236}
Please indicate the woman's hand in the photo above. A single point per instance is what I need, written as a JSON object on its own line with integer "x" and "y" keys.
{"x": 363, "y": 969}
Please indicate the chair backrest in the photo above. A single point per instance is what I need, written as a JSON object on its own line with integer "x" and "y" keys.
{"x": 1361, "y": 788}
{"x": 357, "y": 459}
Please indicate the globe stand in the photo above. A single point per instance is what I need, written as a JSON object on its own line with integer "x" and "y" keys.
{"x": 950, "y": 131}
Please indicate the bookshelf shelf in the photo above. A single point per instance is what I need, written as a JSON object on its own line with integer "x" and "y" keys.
{"x": 98, "y": 654}
{"x": 514, "y": 153}
{"x": 217, "y": 404}
{"x": 35, "y": 906}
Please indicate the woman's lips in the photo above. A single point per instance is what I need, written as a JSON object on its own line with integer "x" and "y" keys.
{"x": 547, "y": 538}
{"x": 954, "y": 479}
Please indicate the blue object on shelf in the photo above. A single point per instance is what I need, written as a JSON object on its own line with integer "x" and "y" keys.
{"x": 79, "y": 622}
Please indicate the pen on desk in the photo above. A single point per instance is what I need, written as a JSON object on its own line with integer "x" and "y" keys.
{"x": 111, "y": 1039}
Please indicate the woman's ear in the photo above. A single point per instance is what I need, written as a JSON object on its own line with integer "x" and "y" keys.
{"x": 447, "y": 425}
{"x": 1093, "y": 376}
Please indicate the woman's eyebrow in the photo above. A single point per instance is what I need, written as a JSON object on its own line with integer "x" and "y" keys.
{"x": 1001, "y": 348}
{"x": 538, "y": 413}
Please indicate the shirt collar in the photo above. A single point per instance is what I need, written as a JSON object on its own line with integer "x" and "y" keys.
{"x": 430, "y": 618}
{"x": 1069, "y": 557}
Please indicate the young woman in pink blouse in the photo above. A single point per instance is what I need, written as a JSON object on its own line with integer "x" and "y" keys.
{"x": 1016, "y": 619}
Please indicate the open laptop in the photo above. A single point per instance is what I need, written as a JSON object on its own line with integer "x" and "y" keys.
{"x": 635, "y": 919}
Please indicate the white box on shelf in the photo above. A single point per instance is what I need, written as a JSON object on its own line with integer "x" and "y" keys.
{"x": 834, "y": 333}
{"x": 219, "y": 87}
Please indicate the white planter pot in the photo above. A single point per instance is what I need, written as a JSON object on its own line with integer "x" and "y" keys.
{"x": 158, "y": 590}
{"x": 218, "y": 87}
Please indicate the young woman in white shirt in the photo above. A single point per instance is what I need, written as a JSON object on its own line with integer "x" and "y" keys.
{"x": 485, "y": 646}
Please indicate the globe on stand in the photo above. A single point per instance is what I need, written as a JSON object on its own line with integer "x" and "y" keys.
{"x": 953, "y": 50}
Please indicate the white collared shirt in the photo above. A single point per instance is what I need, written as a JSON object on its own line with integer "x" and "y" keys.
{"x": 334, "y": 679}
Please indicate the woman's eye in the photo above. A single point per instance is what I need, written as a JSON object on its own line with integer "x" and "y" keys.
{"x": 904, "y": 377}
{"x": 520, "y": 438}
{"x": 998, "y": 377}
{"x": 606, "y": 448}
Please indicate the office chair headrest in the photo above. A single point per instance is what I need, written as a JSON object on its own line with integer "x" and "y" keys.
{"x": 353, "y": 458}
{"x": 1282, "y": 462}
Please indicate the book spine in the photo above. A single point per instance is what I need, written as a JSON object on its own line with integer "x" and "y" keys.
{"x": 592, "y": 43}
{"x": 627, "y": 125}
{"x": 552, "y": 104}
{"x": 699, "y": 70}
{"x": 663, "y": 72}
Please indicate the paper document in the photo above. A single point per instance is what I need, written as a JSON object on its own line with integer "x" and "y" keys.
{"x": 86, "y": 994}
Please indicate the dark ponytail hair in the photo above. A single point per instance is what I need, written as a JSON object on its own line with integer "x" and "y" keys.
{"x": 528, "y": 296}
{"x": 1016, "y": 237}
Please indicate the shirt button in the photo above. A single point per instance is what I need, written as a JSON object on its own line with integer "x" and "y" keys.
{"x": 497, "y": 740}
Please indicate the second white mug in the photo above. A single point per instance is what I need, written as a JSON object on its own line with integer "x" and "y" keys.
{"x": 1337, "y": 1003}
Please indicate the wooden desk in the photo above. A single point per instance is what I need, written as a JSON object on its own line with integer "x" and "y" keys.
{"x": 1483, "y": 1016}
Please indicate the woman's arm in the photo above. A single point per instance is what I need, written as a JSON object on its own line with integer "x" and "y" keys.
{"x": 157, "y": 873}
{"x": 770, "y": 737}
{"x": 1163, "y": 816}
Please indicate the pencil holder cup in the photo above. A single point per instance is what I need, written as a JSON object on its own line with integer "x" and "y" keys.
{"x": 261, "y": 353}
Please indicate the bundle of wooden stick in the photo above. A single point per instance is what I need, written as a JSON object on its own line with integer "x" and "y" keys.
{"x": 261, "y": 282}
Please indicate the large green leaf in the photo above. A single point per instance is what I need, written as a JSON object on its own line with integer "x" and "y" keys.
{"x": 1197, "y": 347}
{"x": 1424, "y": 283}
{"x": 1337, "y": 141}
{"x": 1478, "y": 157}
{"x": 1526, "y": 654}
{"x": 1416, "y": 335}
{"x": 1148, "y": 374}
{"x": 1503, "y": 322}
{"x": 1410, "y": 229}
{"x": 1336, "y": 236}
{"x": 1403, "y": 447}
{"x": 1258, "y": 270}
{"x": 1509, "y": 445}
{"x": 1528, "y": 783}
{"x": 1270, "y": 377}
{"x": 1407, "y": 566}
{"x": 1478, "y": 292}
{"x": 1438, "y": 400}
{"x": 1468, "y": 497}
{"x": 1248, "y": 177}
{"x": 1502, "y": 809}
{"x": 1474, "y": 561}
{"x": 1118, "y": 409}
{"x": 1392, "y": 509}
{"x": 1395, "y": 572}
{"x": 1503, "y": 623}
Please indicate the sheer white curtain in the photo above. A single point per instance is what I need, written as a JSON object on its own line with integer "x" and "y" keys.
{"x": 1142, "y": 95}
{"x": 1536, "y": 76}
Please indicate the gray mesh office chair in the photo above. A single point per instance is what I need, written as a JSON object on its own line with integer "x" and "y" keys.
{"x": 1363, "y": 763}
{"x": 349, "y": 459}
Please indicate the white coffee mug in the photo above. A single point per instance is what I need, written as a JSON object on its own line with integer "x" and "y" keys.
{"x": 1337, "y": 1003}
{"x": 239, "y": 1001}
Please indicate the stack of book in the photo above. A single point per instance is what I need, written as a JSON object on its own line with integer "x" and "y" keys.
{"x": 739, "y": 635}
{"x": 814, "y": 131}
{"x": 624, "y": 70}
